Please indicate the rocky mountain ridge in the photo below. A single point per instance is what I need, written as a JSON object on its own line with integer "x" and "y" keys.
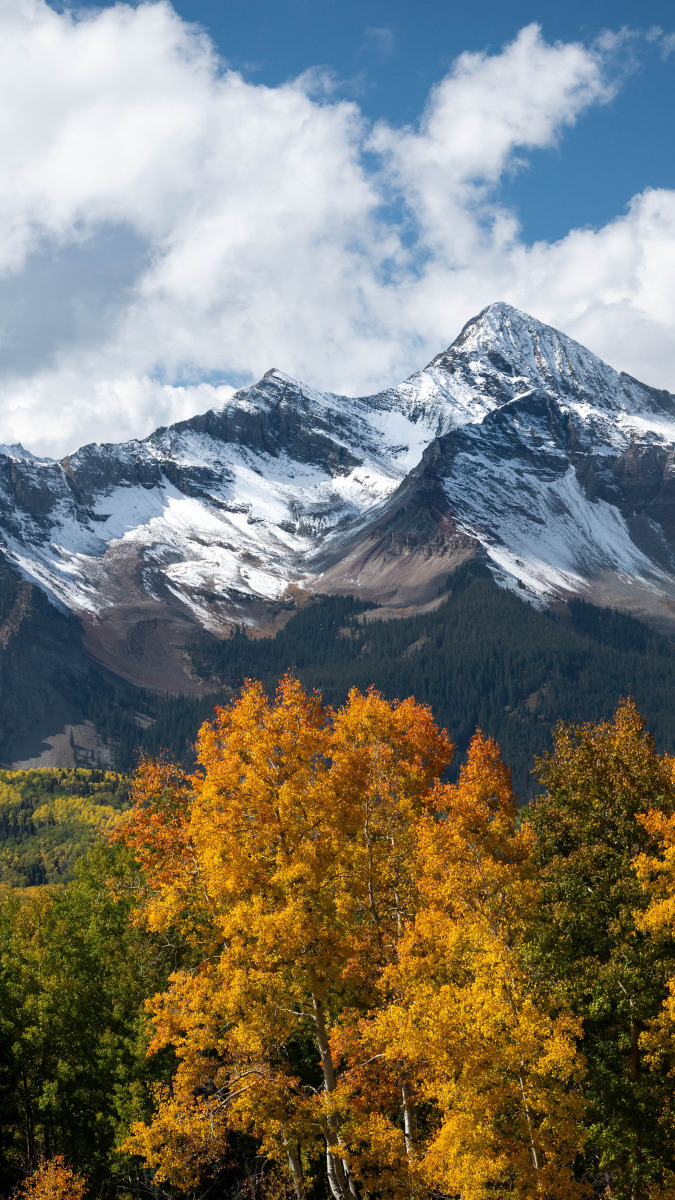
{"x": 515, "y": 445}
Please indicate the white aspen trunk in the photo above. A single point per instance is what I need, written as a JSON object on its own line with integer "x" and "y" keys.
{"x": 324, "y": 1045}
{"x": 533, "y": 1147}
{"x": 409, "y": 1122}
{"x": 409, "y": 1131}
{"x": 295, "y": 1168}
{"x": 335, "y": 1189}
{"x": 341, "y": 1184}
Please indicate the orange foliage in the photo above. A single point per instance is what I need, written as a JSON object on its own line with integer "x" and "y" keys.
{"x": 485, "y": 1056}
{"x": 342, "y": 898}
{"x": 53, "y": 1180}
{"x": 287, "y": 860}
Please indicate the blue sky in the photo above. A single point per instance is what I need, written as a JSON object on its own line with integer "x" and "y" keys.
{"x": 329, "y": 187}
{"x": 389, "y": 54}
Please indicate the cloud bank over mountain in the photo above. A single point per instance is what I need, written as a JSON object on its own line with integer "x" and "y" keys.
{"x": 169, "y": 229}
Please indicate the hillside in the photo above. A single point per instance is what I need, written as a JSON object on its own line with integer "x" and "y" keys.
{"x": 48, "y": 820}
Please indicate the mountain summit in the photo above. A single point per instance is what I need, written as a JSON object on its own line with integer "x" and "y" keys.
{"x": 516, "y": 446}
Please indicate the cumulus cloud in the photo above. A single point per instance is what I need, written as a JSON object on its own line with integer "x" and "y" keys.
{"x": 492, "y": 106}
{"x": 169, "y": 229}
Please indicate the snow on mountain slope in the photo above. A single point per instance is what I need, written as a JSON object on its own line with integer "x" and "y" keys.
{"x": 538, "y": 526}
{"x": 230, "y": 504}
{"x": 559, "y": 469}
{"x": 538, "y": 483}
{"x": 552, "y": 465}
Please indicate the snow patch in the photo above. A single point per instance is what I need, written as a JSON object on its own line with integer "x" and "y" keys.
{"x": 543, "y": 532}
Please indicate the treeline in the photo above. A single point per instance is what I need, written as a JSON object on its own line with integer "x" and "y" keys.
{"x": 484, "y": 658}
{"x": 315, "y": 968}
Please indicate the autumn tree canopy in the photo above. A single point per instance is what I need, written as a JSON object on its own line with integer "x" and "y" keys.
{"x": 477, "y": 1037}
{"x": 287, "y": 860}
{"x": 54, "y": 1180}
{"x": 343, "y": 900}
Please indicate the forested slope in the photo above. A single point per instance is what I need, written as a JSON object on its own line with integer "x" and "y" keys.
{"x": 484, "y": 658}
{"x": 48, "y": 819}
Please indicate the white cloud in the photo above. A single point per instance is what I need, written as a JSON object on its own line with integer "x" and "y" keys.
{"x": 191, "y": 225}
{"x": 379, "y": 40}
{"x": 666, "y": 41}
{"x": 492, "y": 106}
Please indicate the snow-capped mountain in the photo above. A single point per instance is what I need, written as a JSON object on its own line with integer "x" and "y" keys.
{"x": 516, "y": 444}
{"x": 558, "y": 467}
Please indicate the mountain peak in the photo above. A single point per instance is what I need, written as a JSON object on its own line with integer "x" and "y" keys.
{"x": 515, "y": 336}
{"x": 500, "y": 310}
{"x": 275, "y": 379}
{"x": 508, "y": 326}
{"x": 16, "y": 450}
{"x": 503, "y": 341}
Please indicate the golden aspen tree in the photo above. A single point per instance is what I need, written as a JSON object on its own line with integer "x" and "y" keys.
{"x": 485, "y": 1055}
{"x": 54, "y": 1180}
{"x": 286, "y": 862}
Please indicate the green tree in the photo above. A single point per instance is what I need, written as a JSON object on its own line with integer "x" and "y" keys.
{"x": 598, "y": 778}
{"x": 73, "y": 1072}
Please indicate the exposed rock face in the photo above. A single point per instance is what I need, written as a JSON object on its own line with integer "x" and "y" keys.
{"x": 44, "y": 669}
{"x": 516, "y": 445}
{"x": 403, "y": 558}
